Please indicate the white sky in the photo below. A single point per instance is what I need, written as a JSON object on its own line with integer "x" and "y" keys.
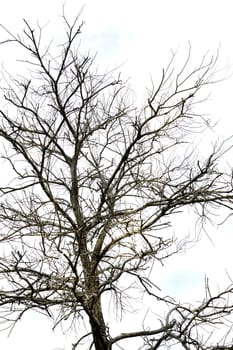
{"x": 140, "y": 35}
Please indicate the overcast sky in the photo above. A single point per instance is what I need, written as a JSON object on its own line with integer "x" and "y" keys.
{"x": 139, "y": 35}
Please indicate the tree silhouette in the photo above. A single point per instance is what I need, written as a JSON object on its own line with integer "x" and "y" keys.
{"x": 96, "y": 184}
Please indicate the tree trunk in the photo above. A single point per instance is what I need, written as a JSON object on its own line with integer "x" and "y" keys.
{"x": 98, "y": 326}
{"x": 94, "y": 308}
{"x": 99, "y": 336}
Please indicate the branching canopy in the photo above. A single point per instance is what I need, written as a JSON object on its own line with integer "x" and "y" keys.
{"x": 96, "y": 184}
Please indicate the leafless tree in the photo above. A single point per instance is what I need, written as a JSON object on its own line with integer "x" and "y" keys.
{"x": 96, "y": 184}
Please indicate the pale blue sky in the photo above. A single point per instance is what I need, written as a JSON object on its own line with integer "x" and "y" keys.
{"x": 140, "y": 35}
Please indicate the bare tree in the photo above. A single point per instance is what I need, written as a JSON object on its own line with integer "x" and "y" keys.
{"x": 96, "y": 184}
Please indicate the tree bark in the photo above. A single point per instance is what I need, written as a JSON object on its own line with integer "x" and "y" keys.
{"x": 99, "y": 335}
{"x": 98, "y": 326}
